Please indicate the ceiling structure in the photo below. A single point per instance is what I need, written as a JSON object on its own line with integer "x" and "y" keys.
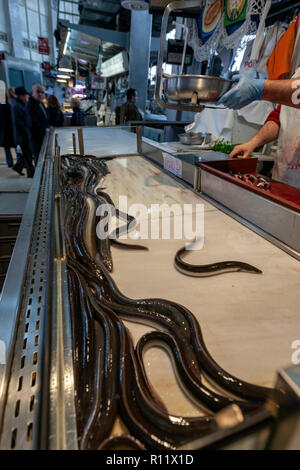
{"x": 105, "y": 14}
{"x": 86, "y": 47}
{"x": 102, "y": 23}
{"x": 110, "y": 14}
{"x": 109, "y": 21}
{"x": 279, "y": 9}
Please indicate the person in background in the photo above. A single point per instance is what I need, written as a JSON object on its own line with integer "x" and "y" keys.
{"x": 21, "y": 132}
{"x": 78, "y": 115}
{"x": 11, "y": 96}
{"x": 129, "y": 111}
{"x": 45, "y": 101}
{"x": 37, "y": 120}
{"x": 54, "y": 110}
{"x": 11, "y": 100}
{"x": 6, "y": 131}
{"x": 118, "y": 115}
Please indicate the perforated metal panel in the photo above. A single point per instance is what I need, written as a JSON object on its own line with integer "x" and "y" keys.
{"x": 37, "y": 396}
{"x": 22, "y": 418}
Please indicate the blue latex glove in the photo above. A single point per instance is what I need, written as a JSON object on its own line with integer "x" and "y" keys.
{"x": 245, "y": 92}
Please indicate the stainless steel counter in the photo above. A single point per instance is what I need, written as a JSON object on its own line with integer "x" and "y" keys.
{"x": 100, "y": 141}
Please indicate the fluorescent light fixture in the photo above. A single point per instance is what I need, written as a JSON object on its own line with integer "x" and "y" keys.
{"x": 60, "y": 80}
{"x": 66, "y": 43}
{"x": 61, "y": 75}
{"x": 116, "y": 65}
{"x": 65, "y": 64}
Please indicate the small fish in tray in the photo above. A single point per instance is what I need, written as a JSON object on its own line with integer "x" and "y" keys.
{"x": 257, "y": 181}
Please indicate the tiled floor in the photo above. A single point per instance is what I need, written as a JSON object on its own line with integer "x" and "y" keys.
{"x": 13, "y": 188}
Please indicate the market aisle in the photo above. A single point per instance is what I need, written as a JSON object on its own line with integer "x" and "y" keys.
{"x": 13, "y": 188}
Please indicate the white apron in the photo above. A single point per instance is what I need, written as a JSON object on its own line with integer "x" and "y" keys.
{"x": 287, "y": 163}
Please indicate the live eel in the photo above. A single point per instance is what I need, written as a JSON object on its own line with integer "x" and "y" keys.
{"x": 109, "y": 373}
{"x": 211, "y": 269}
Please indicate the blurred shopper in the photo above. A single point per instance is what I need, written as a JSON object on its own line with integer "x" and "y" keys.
{"x": 6, "y": 131}
{"x": 129, "y": 110}
{"x": 54, "y": 110}
{"x": 11, "y": 100}
{"x": 78, "y": 115}
{"x": 21, "y": 132}
{"x": 37, "y": 120}
{"x": 118, "y": 115}
{"x": 11, "y": 96}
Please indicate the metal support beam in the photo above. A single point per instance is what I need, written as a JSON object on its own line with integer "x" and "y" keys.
{"x": 52, "y": 9}
{"x": 116, "y": 37}
{"x": 140, "y": 40}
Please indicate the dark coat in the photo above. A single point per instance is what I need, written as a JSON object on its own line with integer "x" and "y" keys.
{"x": 37, "y": 122}
{"x": 77, "y": 117}
{"x": 6, "y": 127}
{"x": 129, "y": 112}
{"x": 20, "y": 123}
{"x": 56, "y": 117}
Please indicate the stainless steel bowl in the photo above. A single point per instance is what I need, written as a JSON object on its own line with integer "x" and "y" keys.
{"x": 191, "y": 138}
{"x": 207, "y": 138}
{"x": 195, "y": 88}
{"x": 195, "y": 138}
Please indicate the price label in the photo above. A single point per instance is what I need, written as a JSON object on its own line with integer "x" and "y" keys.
{"x": 172, "y": 164}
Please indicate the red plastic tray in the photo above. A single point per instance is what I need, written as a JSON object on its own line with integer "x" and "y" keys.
{"x": 280, "y": 193}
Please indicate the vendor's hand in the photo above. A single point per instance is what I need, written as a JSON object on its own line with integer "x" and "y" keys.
{"x": 245, "y": 92}
{"x": 243, "y": 150}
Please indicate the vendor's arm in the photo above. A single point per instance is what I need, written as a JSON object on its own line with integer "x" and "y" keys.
{"x": 247, "y": 90}
{"x": 285, "y": 92}
{"x": 268, "y": 133}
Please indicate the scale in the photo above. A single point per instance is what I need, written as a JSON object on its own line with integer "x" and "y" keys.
{"x": 185, "y": 92}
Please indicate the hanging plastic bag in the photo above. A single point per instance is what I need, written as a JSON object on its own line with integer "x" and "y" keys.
{"x": 248, "y": 66}
{"x": 259, "y": 39}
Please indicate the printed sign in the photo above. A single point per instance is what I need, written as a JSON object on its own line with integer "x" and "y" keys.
{"x": 98, "y": 83}
{"x": 47, "y": 67}
{"x": 212, "y": 15}
{"x": 172, "y": 164}
{"x": 175, "y": 51}
{"x": 235, "y": 11}
{"x": 209, "y": 19}
{"x": 43, "y": 46}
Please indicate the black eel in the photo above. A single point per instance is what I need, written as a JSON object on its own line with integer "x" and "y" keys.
{"x": 105, "y": 358}
{"x": 211, "y": 269}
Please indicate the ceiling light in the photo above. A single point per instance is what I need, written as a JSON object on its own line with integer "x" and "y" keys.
{"x": 60, "y": 80}
{"x": 66, "y": 77}
{"x": 116, "y": 65}
{"x": 66, "y": 43}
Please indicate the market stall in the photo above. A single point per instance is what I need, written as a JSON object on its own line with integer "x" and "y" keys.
{"x": 254, "y": 307}
{"x": 157, "y": 304}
